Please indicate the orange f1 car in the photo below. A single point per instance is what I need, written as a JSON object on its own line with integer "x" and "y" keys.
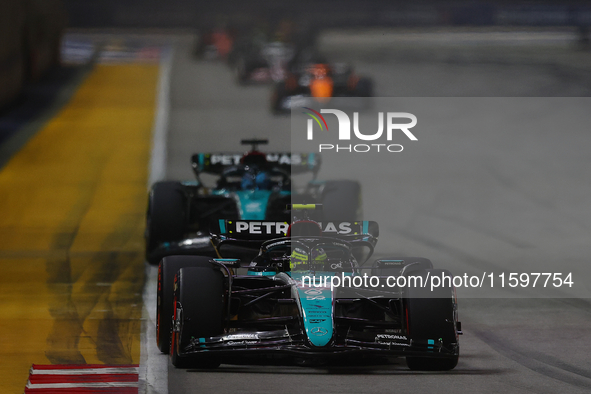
{"x": 320, "y": 81}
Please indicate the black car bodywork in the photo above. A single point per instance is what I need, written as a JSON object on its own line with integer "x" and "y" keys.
{"x": 250, "y": 186}
{"x": 215, "y": 315}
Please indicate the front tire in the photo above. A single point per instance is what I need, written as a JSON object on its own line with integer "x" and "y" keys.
{"x": 242, "y": 72}
{"x": 166, "y": 216}
{"x": 168, "y": 268}
{"x": 432, "y": 315}
{"x": 199, "y": 311}
{"x": 277, "y": 98}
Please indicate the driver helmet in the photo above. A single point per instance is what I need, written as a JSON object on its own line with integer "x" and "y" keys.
{"x": 299, "y": 258}
{"x": 255, "y": 176}
{"x": 255, "y": 179}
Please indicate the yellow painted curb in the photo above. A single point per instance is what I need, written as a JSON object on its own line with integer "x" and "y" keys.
{"x": 72, "y": 206}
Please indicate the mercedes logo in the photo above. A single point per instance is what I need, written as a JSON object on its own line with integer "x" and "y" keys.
{"x": 319, "y": 331}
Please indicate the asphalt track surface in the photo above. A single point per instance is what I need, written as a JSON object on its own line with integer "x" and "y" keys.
{"x": 509, "y": 345}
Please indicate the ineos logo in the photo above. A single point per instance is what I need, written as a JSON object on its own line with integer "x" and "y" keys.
{"x": 312, "y": 294}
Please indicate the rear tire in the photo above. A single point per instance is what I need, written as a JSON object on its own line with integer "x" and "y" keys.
{"x": 432, "y": 318}
{"x": 341, "y": 201}
{"x": 168, "y": 268}
{"x": 166, "y": 216}
{"x": 279, "y": 94}
{"x": 242, "y": 72}
{"x": 199, "y": 304}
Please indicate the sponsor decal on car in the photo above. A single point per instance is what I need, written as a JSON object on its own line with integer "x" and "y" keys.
{"x": 238, "y": 343}
{"x": 236, "y": 337}
{"x": 392, "y": 339}
{"x": 280, "y": 228}
{"x": 317, "y": 309}
{"x": 233, "y": 159}
{"x": 318, "y": 331}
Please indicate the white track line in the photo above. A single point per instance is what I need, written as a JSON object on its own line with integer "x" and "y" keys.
{"x": 153, "y": 377}
{"x": 87, "y": 371}
{"x": 79, "y": 385}
{"x": 160, "y": 130}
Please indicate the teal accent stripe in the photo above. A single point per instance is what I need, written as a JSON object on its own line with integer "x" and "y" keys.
{"x": 201, "y": 161}
{"x": 261, "y": 273}
{"x": 365, "y": 227}
{"x": 317, "y": 314}
{"x": 252, "y": 204}
{"x": 222, "y": 226}
{"x": 311, "y": 161}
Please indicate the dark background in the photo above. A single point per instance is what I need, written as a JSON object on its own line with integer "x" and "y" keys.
{"x": 328, "y": 13}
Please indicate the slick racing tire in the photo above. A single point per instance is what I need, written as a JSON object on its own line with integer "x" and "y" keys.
{"x": 341, "y": 201}
{"x": 364, "y": 88}
{"x": 199, "y": 305}
{"x": 432, "y": 318}
{"x": 165, "y": 220}
{"x": 279, "y": 94}
{"x": 168, "y": 268}
{"x": 242, "y": 70}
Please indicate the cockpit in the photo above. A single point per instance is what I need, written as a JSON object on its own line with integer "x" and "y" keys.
{"x": 254, "y": 173}
{"x": 325, "y": 255}
{"x": 253, "y": 178}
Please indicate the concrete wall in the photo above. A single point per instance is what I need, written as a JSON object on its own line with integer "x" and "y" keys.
{"x": 30, "y": 35}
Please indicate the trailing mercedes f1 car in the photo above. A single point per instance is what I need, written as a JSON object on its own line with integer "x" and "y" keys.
{"x": 209, "y": 313}
{"x": 250, "y": 186}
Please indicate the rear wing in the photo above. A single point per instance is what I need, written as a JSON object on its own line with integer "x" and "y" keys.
{"x": 294, "y": 163}
{"x": 263, "y": 230}
{"x": 242, "y": 238}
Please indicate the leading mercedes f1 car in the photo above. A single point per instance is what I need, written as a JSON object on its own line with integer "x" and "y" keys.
{"x": 209, "y": 314}
{"x": 250, "y": 186}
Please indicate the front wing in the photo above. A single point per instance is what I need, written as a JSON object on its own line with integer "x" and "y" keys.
{"x": 295, "y": 343}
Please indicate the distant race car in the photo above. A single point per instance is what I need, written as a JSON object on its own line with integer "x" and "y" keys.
{"x": 263, "y": 54}
{"x": 250, "y": 186}
{"x": 259, "y": 61}
{"x": 215, "y": 43}
{"x": 209, "y": 314}
{"x": 320, "y": 81}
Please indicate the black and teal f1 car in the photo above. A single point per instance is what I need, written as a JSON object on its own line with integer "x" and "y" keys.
{"x": 284, "y": 302}
{"x": 249, "y": 186}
